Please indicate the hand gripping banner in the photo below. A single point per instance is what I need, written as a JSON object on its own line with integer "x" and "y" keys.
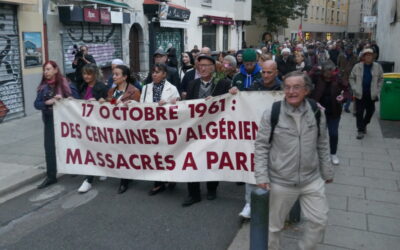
{"x": 197, "y": 140}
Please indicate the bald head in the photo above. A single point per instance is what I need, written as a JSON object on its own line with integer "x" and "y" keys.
{"x": 206, "y": 51}
{"x": 269, "y": 72}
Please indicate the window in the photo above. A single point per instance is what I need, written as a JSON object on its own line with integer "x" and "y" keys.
{"x": 225, "y": 37}
{"x": 209, "y": 36}
{"x": 337, "y": 17}
{"x": 306, "y": 13}
{"x": 206, "y": 3}
{"x": 317, "y": 13}
{"x": 323, "y": 14}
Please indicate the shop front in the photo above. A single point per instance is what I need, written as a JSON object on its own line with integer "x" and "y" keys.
{"x": 11, "y": 86}
{"x": 100, "y": 29}
{"x": 167, "y": 24}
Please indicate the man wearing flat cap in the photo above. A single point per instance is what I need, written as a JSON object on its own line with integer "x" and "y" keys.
{"x": 249, "y": 71}
{"x": 366, "y": 80}
{"x": 159, "y": 57}
{"x": 202, "y": 88}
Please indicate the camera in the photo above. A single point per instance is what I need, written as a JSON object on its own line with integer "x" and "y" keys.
{"x": 77, "y": 52}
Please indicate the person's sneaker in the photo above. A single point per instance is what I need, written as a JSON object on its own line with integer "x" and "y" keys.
{"x": 335, "y": 159}
{"x": 246, "y": 212}
{"x": 86, "y": 186}
{"x": 103, "y": 178}
{"x": 360, "y": 135}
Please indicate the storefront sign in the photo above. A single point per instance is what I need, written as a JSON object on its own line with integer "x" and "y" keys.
{"x": 105, "y": 16}
{"x": 116, "y": 17}
{"x": 91, "y": 15}
{"x": 180, "y": 14}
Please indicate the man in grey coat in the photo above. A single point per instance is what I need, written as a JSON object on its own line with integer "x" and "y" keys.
{"x": 366, "y": 80}
{"x": 295, "y": 164}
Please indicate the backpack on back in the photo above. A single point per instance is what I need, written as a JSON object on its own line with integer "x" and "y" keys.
{"x": 276, "y": 109}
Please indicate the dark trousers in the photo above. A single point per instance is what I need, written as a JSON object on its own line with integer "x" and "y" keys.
{"x": 333, "y": 129}
{"x": 365, "y": 108}
{"x": 90, "y": 179}
{"x": 50, "y": 146}
{"x": 194, "y": 188}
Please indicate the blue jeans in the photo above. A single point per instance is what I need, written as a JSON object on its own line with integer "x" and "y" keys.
{"x": 333, "y": 128}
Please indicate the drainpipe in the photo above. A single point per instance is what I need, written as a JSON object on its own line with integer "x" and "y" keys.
{"x": 45, "y": 38}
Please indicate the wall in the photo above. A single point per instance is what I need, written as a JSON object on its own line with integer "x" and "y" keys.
{"x": 30, "y": 19}
{"x": 193, "y": 35}
{"x": 387, "y": 35}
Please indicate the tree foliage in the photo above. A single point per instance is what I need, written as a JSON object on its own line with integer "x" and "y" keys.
{"x": 277, "y": 12}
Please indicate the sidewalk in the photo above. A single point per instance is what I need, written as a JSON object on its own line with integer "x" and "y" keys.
{"x": 21, "y": 153}
{"x": 364, "y": 199}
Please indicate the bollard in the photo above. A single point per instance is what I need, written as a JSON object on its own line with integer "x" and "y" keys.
{"x": 259, "y": 219}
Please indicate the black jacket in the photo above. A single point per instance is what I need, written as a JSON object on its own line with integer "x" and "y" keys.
{"x": 219, "y": 88}
{"x": 99, "y": 90}
{"x": 188, "y": 77}
{"x": 285, "y": 67}
{"x": 172, "y": 77}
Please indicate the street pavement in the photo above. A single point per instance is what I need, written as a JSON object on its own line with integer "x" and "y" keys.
{"x": 364, "y": 200}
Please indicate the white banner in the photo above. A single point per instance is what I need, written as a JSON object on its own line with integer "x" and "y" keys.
{"x": 193, "y": 140}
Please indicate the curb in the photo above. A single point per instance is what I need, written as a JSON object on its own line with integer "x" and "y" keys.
{"x": 28, "y": 177}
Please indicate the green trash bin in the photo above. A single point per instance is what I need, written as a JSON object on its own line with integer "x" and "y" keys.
{"x": 390, "y": 97}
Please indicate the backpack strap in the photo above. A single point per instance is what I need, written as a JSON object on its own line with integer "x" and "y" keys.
{"x": 276, "y": 109}
{"x": 316, "y": 111}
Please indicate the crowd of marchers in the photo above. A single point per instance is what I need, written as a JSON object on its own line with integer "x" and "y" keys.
{"x": 297, "y": 141}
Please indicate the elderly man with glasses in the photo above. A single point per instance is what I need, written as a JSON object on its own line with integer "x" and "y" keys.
{"x": 292, "y": 161}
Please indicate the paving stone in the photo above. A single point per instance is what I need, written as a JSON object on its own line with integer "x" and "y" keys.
{"x": 384, "y": 225}
{"x": 374, "y": 207}
{"x": 328, "y": 247}
{"x": 366, "y": 182}
{"x": 391, "y": 175}
{"x": 345, "y": 190}
{"x": 337, "y": 202}
{"x": 350, "y": 154}
{"x": 362, "y": 149}
{"x": 371, "y": 164}
{"x": 343, "y": 218}
{"x": 382, "y": 195}
{"x": 349, "y": 170}
{"x": 379, "y": 157}
{"x": 359, "y": 239}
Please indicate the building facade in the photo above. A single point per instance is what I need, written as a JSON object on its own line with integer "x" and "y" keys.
{"x": 21, "y": 56}
{"x": 388, "y": 31}
{"x": 322, "y": 20}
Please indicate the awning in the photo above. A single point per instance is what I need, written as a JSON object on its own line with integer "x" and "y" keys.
{"x": 174, "y": 24}
{"x": 110, "y": 3}
{"x": 207, "y": 20}
{"x": 175, "y": 11}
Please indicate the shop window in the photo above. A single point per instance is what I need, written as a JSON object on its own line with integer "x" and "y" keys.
{"x": 328, "y": 36}
{"x": 209, "y": 36}
{"x": 225, "y": 37}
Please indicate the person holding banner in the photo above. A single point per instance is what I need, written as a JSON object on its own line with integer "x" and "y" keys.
{"x": 123, "y": 92}
{"x": 52, "y": 88}
{"x": 161, "y": 91}
{"x": 292, "y": 161}
{"x": 92, "y": 90}
{"x": 204, "y": 87}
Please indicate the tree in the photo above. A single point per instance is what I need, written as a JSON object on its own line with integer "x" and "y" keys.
{"x": 277, "y": 12}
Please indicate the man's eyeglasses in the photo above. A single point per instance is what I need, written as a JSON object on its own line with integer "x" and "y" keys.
{"x": 295, "y": 88}
{"x": 205, "y": 65}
